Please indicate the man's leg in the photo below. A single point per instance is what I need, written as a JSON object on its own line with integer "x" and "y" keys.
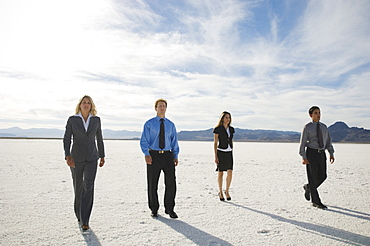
{"x": 313, "y": 174}
{"x": 170, "y": 182}
{"x": 153, "y": 172}
{"x": 321, "y": 169}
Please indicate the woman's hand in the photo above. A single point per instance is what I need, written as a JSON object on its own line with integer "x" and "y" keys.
{"x": 70, "y": 161}
{"x": 216, "y": 160}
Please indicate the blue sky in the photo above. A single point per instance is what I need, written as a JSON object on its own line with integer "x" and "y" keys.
{"x": 266, "y": 62}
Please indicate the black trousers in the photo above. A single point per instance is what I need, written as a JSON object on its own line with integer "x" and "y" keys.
{"x": 316, "y": 172}
{"x": 83, "y": 175}
{"x": 161, "y": 162}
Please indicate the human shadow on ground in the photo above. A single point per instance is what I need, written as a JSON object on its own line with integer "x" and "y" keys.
{"x": 194, "y": 234}
{"x": 348, "y": 212}
{"x": 90, "y": 238}
{"x": 323, "y": 230}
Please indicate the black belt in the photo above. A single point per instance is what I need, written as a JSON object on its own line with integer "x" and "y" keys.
{"x": 318, "y": 150}
{"x": 159, "y": 151}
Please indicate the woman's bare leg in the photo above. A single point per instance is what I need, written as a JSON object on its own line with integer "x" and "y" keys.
{"x": 220, "y": 179}
{"x": 228, "y": 182}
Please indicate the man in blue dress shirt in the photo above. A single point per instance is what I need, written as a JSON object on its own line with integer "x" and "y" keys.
{"x": 315, "y": 139}
{"x": 160, "y": 147}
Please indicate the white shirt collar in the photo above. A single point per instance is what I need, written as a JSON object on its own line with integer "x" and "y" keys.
{"x": 87, "y": 123}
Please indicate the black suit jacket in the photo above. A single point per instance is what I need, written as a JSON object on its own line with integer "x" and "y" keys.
{"x": 223, "y": 137}
{"x": 84, "y": 146}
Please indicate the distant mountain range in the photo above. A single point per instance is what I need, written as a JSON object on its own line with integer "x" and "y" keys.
{"x": 243, "y": 135}
{"x": 339, "y": 131}
{"x": 16, "y": 132}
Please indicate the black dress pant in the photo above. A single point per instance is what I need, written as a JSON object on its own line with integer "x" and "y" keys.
{"x": 161, "y": 162}
{"x": 83, "y": 175}
{"x": 316, "y": 172}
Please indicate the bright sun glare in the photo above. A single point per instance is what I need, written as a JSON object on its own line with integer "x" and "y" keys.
{"x": 48, "y": 37}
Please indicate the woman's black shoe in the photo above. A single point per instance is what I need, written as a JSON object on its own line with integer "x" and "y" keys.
{"x": 85, "y": 228}
{"x": 227, "y": 196}
{"x": 221, "y": 198}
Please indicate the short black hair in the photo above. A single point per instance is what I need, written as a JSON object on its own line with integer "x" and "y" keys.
{"x": 310, "y": 111}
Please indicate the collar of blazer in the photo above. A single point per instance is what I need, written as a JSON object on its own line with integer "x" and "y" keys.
{"x": 225, "y": 130}
{"x": 80, "y": 121}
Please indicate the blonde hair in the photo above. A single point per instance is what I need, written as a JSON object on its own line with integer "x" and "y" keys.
{"x": 93, "y": 108}
{"x": 222, "y": 116}
{"x": 160, "y": 100}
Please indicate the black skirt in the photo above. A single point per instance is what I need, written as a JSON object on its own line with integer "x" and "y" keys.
{"x": 225, "y": 161}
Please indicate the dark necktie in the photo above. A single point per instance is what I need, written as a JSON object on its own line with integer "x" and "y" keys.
{"x": 319, "y": 136}
{"x": 161, "y": 135}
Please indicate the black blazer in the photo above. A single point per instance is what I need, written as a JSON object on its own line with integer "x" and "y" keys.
{"x": 223, "y": 138}
{"x": 84, "y": 146}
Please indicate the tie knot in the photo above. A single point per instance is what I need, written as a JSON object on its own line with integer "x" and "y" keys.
{"x": 162, "y": 119}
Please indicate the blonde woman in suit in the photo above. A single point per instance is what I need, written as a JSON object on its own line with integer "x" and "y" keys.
{"x": 82, "y": 158}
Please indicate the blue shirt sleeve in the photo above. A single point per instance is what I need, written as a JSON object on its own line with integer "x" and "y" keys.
{"x": 145, "y": 139}
{"x": 174, "y": 143}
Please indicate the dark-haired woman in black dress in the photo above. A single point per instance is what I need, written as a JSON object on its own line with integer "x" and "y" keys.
{"x": 223, "y": 148}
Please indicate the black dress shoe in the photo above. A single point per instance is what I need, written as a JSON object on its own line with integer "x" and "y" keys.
{"x": 172, "y": 214}
{"x": 320, "y": 206}
{"x": 306, "y": 192}
{"x": 154, "y": 214}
